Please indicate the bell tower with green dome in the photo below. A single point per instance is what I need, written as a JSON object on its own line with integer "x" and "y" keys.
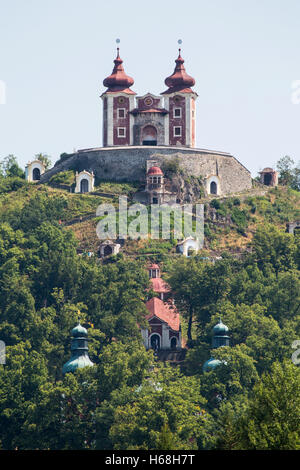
{"x": 220, "y": 338}
{"x": 79, "y": 350}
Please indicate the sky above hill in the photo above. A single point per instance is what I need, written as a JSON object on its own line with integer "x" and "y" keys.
{"x": 244, "y": 56}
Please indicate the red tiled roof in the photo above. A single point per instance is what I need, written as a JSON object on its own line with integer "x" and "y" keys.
{"x": 153, "y": 266}
{"x": 154, "y": 170}
{"x": 159, "y": 285}
{"x": 150, "y": 110}
{"x": 179, "y": 80}
{"x": 118, "y": 80}
{"x": 164, "y": 311}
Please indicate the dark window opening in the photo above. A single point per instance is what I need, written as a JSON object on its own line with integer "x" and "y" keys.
{"x": 149, "y": 142}
{"x": 107, "y": 251}
{"x": 213, "y": 188}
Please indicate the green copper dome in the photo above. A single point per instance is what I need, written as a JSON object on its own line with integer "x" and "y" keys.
{"x": 77, "y": 362}
{"x": 79, "y": 330}
{"x": 211, "y": 364}
{"x": 79, "y": 351}
{"x": 220, "y": 329}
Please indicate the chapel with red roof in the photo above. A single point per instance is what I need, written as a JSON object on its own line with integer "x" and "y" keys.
{"x": 164, "y": 332}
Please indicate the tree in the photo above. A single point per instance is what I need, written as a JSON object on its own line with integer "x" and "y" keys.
{"x": 272, "y": 419}
{"x": 274, "y": 248}
{"x": 285, "y": 168}
{"x": 197, "y": 285}
{"x": 45, "y": 159}
{"x": 165, "y": 396}
{"x": 288, "y": 174}
{"x": 10, "y": 168}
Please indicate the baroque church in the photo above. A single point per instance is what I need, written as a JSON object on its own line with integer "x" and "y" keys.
{"x": 150, "y": 131}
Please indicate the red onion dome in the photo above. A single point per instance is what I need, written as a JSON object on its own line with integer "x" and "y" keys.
{"x": 155, "y": 170}
{"x": 179, "y": 80}
{"x": 118, "y": 80}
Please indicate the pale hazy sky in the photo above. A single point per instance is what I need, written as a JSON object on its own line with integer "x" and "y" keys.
{"x": 243, "y": 54}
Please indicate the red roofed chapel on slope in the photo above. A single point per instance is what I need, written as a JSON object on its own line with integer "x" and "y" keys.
{"x": 164, "y": 332}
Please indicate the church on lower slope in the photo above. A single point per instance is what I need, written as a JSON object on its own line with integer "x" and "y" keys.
{"x": 164, "y": 332}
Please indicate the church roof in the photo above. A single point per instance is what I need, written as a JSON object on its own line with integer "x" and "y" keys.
{"x": 267, "y": 170}
{"x": 164, "y": 311}
{"x": 179, "y": 81}
{"x": 159, "y": 285}
{"x": 118, "y": 80}
{"x": 154, "y": 170}
{"x": 77, "y": 362}
{"x": 150, "y": 110}
{"x": 153, "y": 266}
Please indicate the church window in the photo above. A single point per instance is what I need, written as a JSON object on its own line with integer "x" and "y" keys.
{"x": 177, "y": 131}
{"x": 177, "y": 113}
{"x": 121, "y": 113}
{"x": 121, "y": 131}
{"x": 148, "y": 101}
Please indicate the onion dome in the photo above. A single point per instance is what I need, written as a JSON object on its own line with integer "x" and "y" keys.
{"x": 79, "y": 350}
{"x": 179, "y": 80}
{"x": 220, "y": 338}
{"x": 155, "y": 170}
{"x": 220, "y": 329}
{"x": 118, "y": 80}
{"x": 79, "y": 330}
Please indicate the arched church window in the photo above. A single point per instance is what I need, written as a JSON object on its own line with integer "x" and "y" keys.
{"x": 173, "y": 343}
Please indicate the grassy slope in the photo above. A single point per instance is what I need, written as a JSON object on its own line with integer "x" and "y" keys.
{"x": 247, "y": 211}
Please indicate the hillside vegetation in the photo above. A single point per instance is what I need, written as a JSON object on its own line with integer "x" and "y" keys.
{"x": 128, "y": 400}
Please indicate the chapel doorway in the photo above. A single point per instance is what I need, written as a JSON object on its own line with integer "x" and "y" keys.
{"x": 84, "y": 186}
{"x": 36, "y": 174}
{"x": 149, "y": 135}
{"x": 155, "y": 342}
{"x": 267, "y": 179}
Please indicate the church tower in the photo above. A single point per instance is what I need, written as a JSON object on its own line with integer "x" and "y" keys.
{"x": 118, "y": 101}
{"x": 79, "y": 350}
{"x": 180, "y": 103}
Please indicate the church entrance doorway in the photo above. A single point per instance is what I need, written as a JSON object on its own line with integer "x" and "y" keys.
{"x": 36, "y": 174}
{"x": 155, "y": 342}
{"x": 267, "y": 179}
{"x": 149, "y": 135}
{"x": 84, "y": 186}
